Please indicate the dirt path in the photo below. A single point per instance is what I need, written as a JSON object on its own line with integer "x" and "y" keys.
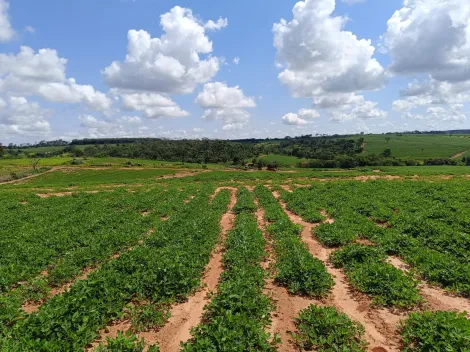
{"x": 435, "y": 297}
{"x": 458, "y": 155}
{"x": 186, "y": 315}
{"x": 32, "y": 306}
{"x": 287, "y": 306}
{"x": 380, "y": 324}
{"x": 286, "y": 188}
{"x": 23, "y": 179}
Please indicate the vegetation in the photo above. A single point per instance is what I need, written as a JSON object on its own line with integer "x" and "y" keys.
{"x": 237, "y": 316}
{"x": 323, "y": 329}
{"x": 164, "y": 269}
{"x": 295, "y": 267}
{"x": 436, "y": 331}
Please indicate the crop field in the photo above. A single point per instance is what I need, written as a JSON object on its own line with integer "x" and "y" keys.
{"x": 145, "y": 259}
{"x": 419, "y": 146}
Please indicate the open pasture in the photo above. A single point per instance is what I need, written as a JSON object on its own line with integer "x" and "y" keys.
{"x": 197, "y": 260}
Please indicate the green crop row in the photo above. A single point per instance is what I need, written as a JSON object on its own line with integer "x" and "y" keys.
{"x": 238, "y": 314}
{"x": 244, "y": 201}
{"x": 295, "y": 267}
{"x": 368, "y": 273}
{"x": 65, "y": 234}
{"x": 427, "y": 224}
{"x": 323, "y": 329}
{"x": 436, "y": 331}
{"x": 166, "y": 268}
{"x": 99, "y": 251}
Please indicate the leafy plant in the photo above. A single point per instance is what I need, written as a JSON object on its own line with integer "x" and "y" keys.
{"x": 436, "y": 331}
{"x": 125, "y": 342}
{"x": 323, "y": 329}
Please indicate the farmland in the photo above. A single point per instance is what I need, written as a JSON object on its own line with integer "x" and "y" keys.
{"x": 164, "y": 259}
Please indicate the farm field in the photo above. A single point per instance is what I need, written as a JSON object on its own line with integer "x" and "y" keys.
{"x": 115, "y": 259}
{"x": 419, "y": 146}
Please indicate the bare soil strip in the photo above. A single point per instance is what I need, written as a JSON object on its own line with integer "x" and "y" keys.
{"x": 380, "y": 324}
{"x": 436, "y": 298}
{"x": 286, "y": 188}
{"x": 32, "y": 306}
{"x": 287, "y": 306}
{"x": 458, "y": 155}
{"x": 186, "y": 315}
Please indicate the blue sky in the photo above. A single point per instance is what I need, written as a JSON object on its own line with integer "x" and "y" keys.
{"x": 313, "y": 73}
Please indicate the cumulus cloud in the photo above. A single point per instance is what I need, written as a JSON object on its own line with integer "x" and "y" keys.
{"x": 430, "y": 36}
{"x": 43, "y": 74}
{"x": 171, "y": 63}
{"x": 225, "y": 103}
{"x": 432, "y": 92}
{"x": 236, "y": 60}
{"x": 153, "y": 105}
{"x": 293, "y": 119}
{"x": 18, "y": 116}
{"x": 363, "y": 111}
{"x": 219, "y": 95}
{"x": 6, "y": 30}
{"x": 320, "y": 58}
{"x": 433, "y": 38}
{"x": 301, "y": 118}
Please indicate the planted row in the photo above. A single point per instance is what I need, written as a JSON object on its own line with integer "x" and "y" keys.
{"x": 159, "y": 202}
{"x": 238, "y": 314}
{"x": 295, "y": 267}
{"x": 369, "y": 273}
{"x": 323, "y": 329}
{"x": 166, "y": 268}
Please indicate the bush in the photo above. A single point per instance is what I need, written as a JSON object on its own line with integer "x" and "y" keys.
{"x": 323, "y": 329}
{"x": 436, "y": 331}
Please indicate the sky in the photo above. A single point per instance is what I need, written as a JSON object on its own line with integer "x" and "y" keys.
{"x": 231, "y": 69}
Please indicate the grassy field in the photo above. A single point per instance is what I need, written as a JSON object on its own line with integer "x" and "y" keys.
{"x": 419, "y": 146}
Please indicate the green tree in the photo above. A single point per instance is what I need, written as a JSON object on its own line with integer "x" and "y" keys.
{"x": 387, "y": 153}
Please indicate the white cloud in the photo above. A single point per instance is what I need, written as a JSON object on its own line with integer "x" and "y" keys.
{"x": 152, "y": 105}
{"x": 30, "y": 29}
{"x": 213, "y": 26}
{"x": 6, "y": 30}
{"x": 301, "y": 118}
{"x": 236, "y": 60}
{"x": 309, "y": 113}
{"x": 225, "y": 103}
{"x": 219, "y": 95}
{"x": 430, "y": 36}
{"x": 18, "y": 116}
{"x": 320, "y": 59}
{"x": 43, "y": 74}
{"x": 293, "y": 119}
{"x": 364, "y": 111}
{"x": 131, "y": 120}
{"x": 171, "y": 63}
